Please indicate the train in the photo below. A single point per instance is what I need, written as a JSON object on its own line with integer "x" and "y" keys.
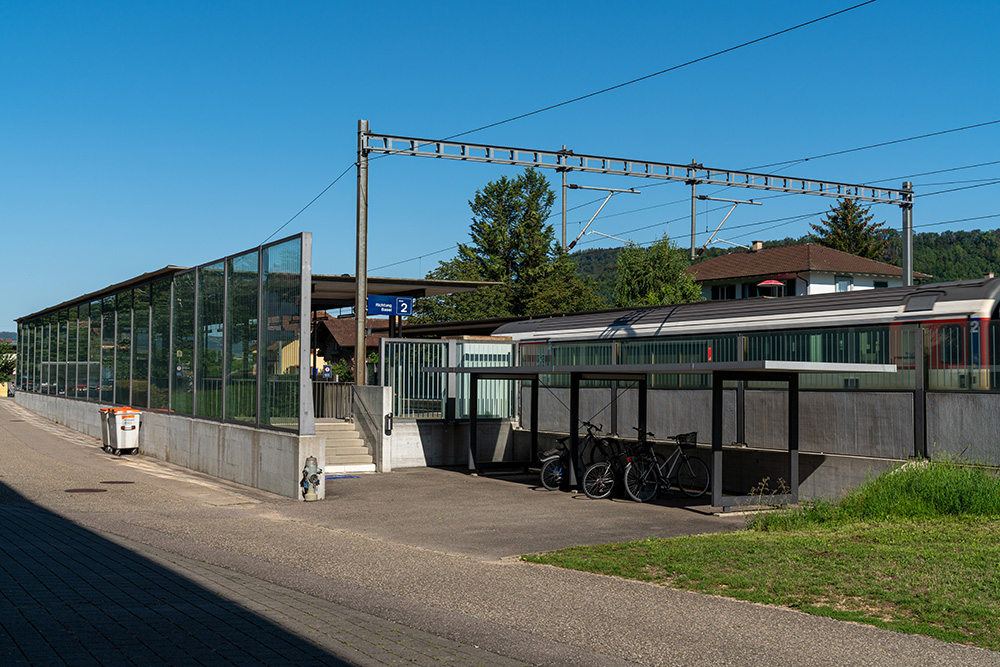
{"x": 940, "y": 335}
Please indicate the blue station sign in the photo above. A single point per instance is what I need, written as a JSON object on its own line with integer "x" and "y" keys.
{"x": 390, "y": 305}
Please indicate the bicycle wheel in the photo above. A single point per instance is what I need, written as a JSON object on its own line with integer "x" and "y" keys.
{"x": 598, "y": 450}
{"x": 552, "y": 473}
{"x": 641, "y": 482}
{"x": 693, "y": 478}
{"x": 598, "y": 480}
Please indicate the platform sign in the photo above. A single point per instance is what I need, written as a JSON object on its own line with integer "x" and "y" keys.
{"x": 404, "y": 306}
{"x": 390, "y": 305}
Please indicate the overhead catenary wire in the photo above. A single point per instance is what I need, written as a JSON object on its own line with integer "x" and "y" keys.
{"x": 608, "y": 89}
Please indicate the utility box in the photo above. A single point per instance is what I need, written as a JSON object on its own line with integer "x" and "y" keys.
{"x": 120, "y": 430}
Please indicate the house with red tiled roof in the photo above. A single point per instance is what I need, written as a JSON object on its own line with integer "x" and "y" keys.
{"x": 792, "y": 271}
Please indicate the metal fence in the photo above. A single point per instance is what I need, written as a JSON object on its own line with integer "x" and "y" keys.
{"x": 418, "y": 394}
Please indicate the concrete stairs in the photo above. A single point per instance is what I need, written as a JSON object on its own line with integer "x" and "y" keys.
{"x": 345, "y": 449}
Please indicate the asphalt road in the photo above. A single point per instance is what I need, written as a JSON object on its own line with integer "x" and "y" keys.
{"x": 428, "y": 552}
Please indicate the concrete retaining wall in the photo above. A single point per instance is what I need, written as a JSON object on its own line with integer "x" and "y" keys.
{"x": 259, "y": 458}
{"x": 418, "y": 443}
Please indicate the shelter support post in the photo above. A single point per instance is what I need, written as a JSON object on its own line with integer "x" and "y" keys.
{"x": 718, "y": 397}
{"x": 717, "y": 439}
{"x": 473, "y": 420}
{"x": 534, "y": 418}
{"x": 569, "y": 481}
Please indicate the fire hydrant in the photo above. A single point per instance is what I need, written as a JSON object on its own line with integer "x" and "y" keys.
{"x": 310, "y": 479}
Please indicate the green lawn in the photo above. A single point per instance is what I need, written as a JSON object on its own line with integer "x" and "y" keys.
{"x": 936, "y": 574}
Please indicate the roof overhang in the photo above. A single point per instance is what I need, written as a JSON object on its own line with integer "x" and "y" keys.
{"x": 110, "y": 289}
{"x": 635, "y": 371}
{"x": 339, "y": 291}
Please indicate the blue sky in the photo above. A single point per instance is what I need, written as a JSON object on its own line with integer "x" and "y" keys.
{"x": 142, "y": 134}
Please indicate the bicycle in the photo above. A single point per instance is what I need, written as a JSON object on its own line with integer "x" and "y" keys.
{"x": 554, "y": 460}
{"x": 647, "y": 471}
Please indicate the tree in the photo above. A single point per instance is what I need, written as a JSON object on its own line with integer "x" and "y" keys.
{"x": 510, "y": 245}
{"x": 654, "y": 276}
{"x": 849, "y": 227}
{"x": 8, "y": 362}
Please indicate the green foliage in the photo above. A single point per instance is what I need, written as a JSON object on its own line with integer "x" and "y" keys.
{"x": 510, "y": 245}
{"x": 8, "y": 363}
{"x": 849, "y": 227}
{"x": 654, "y": 276}
{"x": 915, "y": 490}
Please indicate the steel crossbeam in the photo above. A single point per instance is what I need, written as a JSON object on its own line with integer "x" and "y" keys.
{"x": 692, "y": 174}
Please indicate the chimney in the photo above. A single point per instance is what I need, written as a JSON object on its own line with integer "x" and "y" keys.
{"x": 756, "y": 246}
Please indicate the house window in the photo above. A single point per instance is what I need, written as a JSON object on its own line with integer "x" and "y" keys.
{"x": 723, "y": 292}
{"x": 880, "y": 284}
{"x": 843, "y": 283}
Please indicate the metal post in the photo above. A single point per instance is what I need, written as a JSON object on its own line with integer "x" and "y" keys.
{"x": 569, "y": 481}
{"x": 694, "y": 213}
{"x": 907, "y": 253}
{"x": 717, "y": 384}
{"x": 473, "y": 419}
{"x": 563, "y": 157}
{"x": 307, "y": 409}
{"x": 793, "y": 435}
{"x": 534, "y": 418}
{"x": 361, "y": 268}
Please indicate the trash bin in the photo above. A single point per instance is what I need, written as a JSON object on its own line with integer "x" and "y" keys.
{"x": 122, "y": 430}
{"x": 107, "y": 421}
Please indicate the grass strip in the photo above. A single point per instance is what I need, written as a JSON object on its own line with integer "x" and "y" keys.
{"x": 912, "y": 565}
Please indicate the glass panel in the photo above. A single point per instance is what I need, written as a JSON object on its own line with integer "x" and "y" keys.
{"x": 51, "y": 327}
{"x": 160, "y": 365}
{"x": 496, "y": 398}
{"x": 211, "y": 309}
{"x": 281, "y": 296}
{"x": 140, "y": 347}
{"x": 61, "y": 335}
{"x": 182, "y": 396}
{"x": 123, "y": 350}
{"x": 82, "y": 349}
{"x": 94, "y": 375}
{"x": 108, "y": 349}
{"x": 241, "y": 339}
{"x": 71, "y": 340}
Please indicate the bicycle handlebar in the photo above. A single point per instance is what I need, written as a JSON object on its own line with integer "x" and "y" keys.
{"x": 643, "y": 435}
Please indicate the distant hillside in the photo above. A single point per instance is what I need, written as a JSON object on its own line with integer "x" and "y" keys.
{"x": 8, "y": 335}
{"x": 945, "y": 255}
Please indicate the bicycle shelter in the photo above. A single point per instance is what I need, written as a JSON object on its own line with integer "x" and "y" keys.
{"x": 772, "y": 371}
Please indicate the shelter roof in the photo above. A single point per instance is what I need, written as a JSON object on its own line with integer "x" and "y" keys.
{"x": 338, "y": 291}
{"x": 790, "y": 260}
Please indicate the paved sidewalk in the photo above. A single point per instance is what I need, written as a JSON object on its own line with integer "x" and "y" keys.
{"x": 71, "y": 596}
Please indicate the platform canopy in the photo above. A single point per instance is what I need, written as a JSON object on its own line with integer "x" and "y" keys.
{"x": 339, "y": 291}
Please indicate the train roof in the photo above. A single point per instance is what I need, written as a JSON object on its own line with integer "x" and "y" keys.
{"x": 895, "y": 305}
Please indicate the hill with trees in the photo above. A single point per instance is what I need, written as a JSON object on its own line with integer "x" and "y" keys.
{"x": 946, "y": 256}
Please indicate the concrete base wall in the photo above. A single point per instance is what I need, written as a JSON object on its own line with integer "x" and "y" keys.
{"x": 371, "y": 406}
{"x": 422, "y": 442}
{"x": 964, "y": 425}
{"x": 262, "y": 459}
